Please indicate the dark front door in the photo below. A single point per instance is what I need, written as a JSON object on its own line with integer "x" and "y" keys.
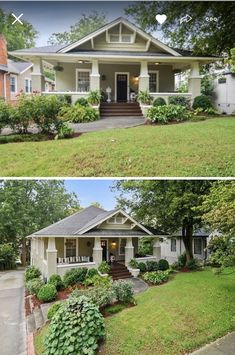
{"x": 122, "y": 87}
{"x": 104, "y": 247}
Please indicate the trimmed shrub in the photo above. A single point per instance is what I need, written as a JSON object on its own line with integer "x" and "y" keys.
{"x": 33, "y": 286}
{"x": 75, "y": 276}
{"x": 159, "y": 101}
{"x": 53, "y": 309}
{"x": 169, "y": 113}
{"x": 82, "y": 101}
{"x": 78, "y": 113}
{"x": 156, "y": 277}
{"x": 142, "y": 266}
{"x": 56, "y": 281}
{"x": 123, "y": 291}
{"x": 179, "y": 100}
{"x": 32, "y": 272}
{"x": 76, "y": 328}
{"x": 47, "y": 293}
{"x": 151, "y": 265}
{"x": 203, "y": 102}
{"x": 104, "y": 267}
{"x": 92, "y": 272}
{"x": 100, "y": 296}
{"x": 163, "y": 265}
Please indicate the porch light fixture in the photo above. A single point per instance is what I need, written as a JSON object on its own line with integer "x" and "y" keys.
{"x": 156, "y": 63}
{"x": 80, "y": 61}
{"x": 113, "y": 243}
{"x": 136, "y": 78}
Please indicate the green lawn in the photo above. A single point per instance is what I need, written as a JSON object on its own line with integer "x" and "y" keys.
{"x": 187, "y": 312}
{"x": 204, "y": 148}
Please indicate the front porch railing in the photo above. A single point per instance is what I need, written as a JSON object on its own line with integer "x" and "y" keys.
{"x": 73, "y": 259}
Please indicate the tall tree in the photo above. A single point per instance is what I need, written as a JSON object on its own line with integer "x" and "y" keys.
{"x": 211, "y": 30}
{"x": 86, "y": 24}
{"x": 29, "y": 205}
{"x": 18, "y": 36}
{"x": 167, "y": 204}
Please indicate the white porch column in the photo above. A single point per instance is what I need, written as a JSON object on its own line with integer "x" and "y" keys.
{"x": 144, "y": 77}
{"x": 156, "y": 248}
{"x": 194, "y": 82}
{"x": 97, "y": 251}
{"x": 51, "y": 257}
{"x": 95, "y": 76}
{"x": 38, "y": 81}
{"x": 129, "y": 250}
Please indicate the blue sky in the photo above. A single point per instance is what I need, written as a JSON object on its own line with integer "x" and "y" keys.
{"x": 89, "y": 191}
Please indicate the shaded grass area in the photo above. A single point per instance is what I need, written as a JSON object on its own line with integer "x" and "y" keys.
{"x": 190, "y": 149}
{"x": 186, "y": 313}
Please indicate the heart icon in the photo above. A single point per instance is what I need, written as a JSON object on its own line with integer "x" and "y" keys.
{"x": 161, "y": 18}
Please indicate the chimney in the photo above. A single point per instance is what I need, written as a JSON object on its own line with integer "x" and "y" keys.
{"x": 3, "y": 50}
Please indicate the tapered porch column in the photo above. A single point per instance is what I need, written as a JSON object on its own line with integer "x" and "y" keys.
{"x": 156, "y": 248}
{"x": 95, "y": 76}
{"x": 51, "y": 257}
{"x": 38, "y": 81}
{"x": 129, "y": 250}
{"x": 144, "y": 77}
{"x": 97, "y": 251}
{"x": 195, "y": 80}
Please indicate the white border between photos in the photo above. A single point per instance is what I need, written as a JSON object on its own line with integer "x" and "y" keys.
{"x": 118, "y": 178}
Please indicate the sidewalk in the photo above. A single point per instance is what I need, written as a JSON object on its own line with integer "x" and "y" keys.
{"x": 222, "y": 346}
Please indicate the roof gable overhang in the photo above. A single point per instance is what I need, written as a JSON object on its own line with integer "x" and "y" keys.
{"x": 129, "y": 25}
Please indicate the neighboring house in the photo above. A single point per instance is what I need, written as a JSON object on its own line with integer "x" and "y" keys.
{"x": 119, "y": 58}
{"x": 16, "y": 77}
{"x": 224, "y": 92}
{"x": 173, "y": 246}
{"x": 86, "y": 238}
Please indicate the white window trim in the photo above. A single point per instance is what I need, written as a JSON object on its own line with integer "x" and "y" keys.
{"x": 194, "y": 246}
{"x": 115, "y": 220}
{"x": 29, "y": 80}
{"x": 157, "y": 72}
{"x": 65, "y": 239}
{"x": 120, "y": 38}
{"x": 107, "y": 251}
{"x": 119, "y": 245}
{"x": 128, "y": 84}
{"x": 14, "y": 76}
{"x": 76, "y": 84}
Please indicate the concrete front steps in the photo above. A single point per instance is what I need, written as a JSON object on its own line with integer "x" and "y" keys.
{"x": 120, "y": 109}
{"x": 119, "y": 271}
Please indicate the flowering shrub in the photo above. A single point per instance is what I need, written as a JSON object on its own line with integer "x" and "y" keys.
{"x": 169, "y": 113}
{"x": 156, "y": 277}
{"x": 123, "y": 291}
{"x": 100, "y": 296}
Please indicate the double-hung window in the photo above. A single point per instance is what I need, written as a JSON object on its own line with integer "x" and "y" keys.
{"x": 28, "y": 86}
{"x": 197, "y": 246}
{"x": 173, "y": 245}
{"x": 13, "y": 84}
{"x": 83, "y": 80}
{"x": 153, "y": 81}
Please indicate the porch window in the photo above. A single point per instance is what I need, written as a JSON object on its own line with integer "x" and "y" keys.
{"x": 122, "y": 244}
{"x": 197, "y": 246}
{"x": 28, "y": 85}
{"x": 13, "y": 84}
{"x": 83, "y": 80}
{"x": 70, "y": 247}
{"x": 173, "y": 244}
{"x": 153, "y": 81}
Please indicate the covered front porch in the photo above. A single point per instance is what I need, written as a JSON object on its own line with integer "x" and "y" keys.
{"x": 56, "y": 255}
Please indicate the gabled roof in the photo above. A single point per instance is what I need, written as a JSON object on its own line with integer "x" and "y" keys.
{"x": 85, "y": 222}
{"x": 18, "y": 67}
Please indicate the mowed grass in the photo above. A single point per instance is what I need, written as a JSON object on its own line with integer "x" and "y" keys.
{"x": 204, "y": 148}
{"x": 191, "y": 310}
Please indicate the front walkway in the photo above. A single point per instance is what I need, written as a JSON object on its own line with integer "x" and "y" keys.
{"x": 138, "y": 285}
{"x": 12, "y": 319}
{"x": 222, "y": 346}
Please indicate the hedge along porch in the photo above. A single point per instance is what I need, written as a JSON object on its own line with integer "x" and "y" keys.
{"x": 87, "y": 238}
{"x": 120, "y": 57}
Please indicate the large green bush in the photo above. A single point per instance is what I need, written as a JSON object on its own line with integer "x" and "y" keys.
{"x": 142, "y": 266}
{"x": 7, "y": 256}
{"x": 203, "y": 102}
{"x": 47, "y": 293}
{"x": 152, "y": 265}
{"x": 156, "y": 277}
{"x": 56, "y": 281}
{"x": 104, "y": 267}
{"x": 75, "y": 276}
{"x": 82, "y": 101}
{"x": 100, "y": 296}
{"x": 163, "y": 264}
{"x": 4, "y": 114}
{"x": 78, "y": 113}
{"x": 33, "y": 286}
{"x": 123, "y": 291}
{"x": 76, "y": 328}
{"x": 179, "y": 100}
{"x": 32, "y": 272}
{"x": 22, "y": 114}
{"x": 159, "y": 101}
{"x": 169, "y": 113}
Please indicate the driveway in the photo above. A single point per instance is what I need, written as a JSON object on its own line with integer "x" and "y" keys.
{"x": 12, "y": 319}
{"x": 222, "y": 346}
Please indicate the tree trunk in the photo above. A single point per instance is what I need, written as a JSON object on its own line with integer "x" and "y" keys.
{"x": 187, "y": 234}
{"x": 24, "y": 253}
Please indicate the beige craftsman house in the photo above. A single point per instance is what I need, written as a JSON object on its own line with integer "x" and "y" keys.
{"x": 88, "y": 237}
{"x": 119, "y": 60}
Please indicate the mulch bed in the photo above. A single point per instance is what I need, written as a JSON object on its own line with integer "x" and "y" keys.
{"x": 31, "y": 137}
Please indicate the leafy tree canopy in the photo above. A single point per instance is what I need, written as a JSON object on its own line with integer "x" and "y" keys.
{"x": 199, "y": 35}
{"x": 17, "y": 36}
{"x": 86, "y": 24}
